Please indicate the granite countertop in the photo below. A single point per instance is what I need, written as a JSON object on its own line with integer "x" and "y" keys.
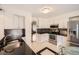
{"x": 56, "y": 31}
{"x": 24, "y": 49}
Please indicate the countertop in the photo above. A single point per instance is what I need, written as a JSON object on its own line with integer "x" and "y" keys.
{"x": 24, "y": 49}
{"x": 37, "y": 46}
{"x": 56, "y": 31}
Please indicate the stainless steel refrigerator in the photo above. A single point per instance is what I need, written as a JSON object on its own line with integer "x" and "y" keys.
{"x": 73, "y": 27}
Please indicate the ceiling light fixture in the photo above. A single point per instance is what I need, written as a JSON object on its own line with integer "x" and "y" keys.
{"x": 46, "y": 10}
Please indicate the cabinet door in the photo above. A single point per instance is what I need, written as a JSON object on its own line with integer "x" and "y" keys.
{"x": 9, "y": 22}
{"x": 14, "y": 22}
{"x": 1, "y": 26}
{"x": 21, "y": 22}
{"x": 44, "y": 23}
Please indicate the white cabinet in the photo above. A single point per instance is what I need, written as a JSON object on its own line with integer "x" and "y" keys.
{"x": 21, "y": 22}
{"x": 1, "y": 26}
{"x": 8, "y": 21}
{"x": 13, "y": 22}
{"x": 60, "y": 40}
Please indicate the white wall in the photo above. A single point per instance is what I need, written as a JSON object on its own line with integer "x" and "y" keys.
{"x": 63, "y": 19}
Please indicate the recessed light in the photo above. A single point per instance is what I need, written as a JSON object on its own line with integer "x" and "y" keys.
{"x": 46, "y": 10}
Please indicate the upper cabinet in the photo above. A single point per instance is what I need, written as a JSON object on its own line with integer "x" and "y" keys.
{"x": 1, "y": 26}
{"x": 42, "y": 22}
{"x": 21, "y": 21}
{"x": 14, "y": 22}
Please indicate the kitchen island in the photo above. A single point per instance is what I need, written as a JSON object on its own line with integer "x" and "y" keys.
{"x": 39, "y": 46}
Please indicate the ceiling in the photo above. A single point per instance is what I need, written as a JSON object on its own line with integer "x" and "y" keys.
{"x": 35, "y": 8}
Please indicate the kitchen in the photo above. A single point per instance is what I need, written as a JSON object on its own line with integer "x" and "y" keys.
{"x": 43, "y": 28}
